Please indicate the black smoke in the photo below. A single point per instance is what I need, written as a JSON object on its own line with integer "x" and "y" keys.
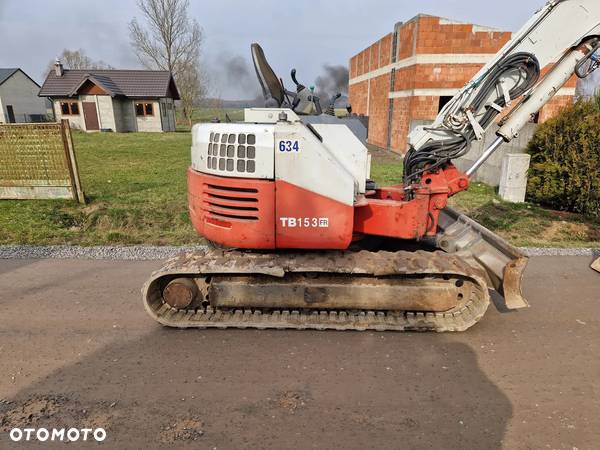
{"x": 334, "y": 80}
{"x": 237, "y": 74}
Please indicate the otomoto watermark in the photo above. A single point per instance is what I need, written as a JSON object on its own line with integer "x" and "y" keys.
{"x": 57, "y": 434}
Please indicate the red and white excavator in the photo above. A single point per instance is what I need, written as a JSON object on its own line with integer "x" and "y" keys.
{"x": 303, "y": 239}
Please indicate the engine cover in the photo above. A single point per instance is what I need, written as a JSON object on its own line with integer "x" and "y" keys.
{"x": 275, "y": 185}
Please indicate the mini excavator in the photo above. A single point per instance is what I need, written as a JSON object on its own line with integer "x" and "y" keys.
{"x": 301, "y": 238}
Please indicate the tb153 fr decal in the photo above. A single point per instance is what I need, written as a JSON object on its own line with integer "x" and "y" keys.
{"x": 304, "y": 222}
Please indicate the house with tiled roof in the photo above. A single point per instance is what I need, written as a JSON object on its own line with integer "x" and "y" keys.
{"x": 112, "y": 100}
{"x": 19, "y": 101}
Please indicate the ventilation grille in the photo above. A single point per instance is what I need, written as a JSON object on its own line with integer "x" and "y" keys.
{"x": 232, "y": 152}
{"x": 227, "y": 203}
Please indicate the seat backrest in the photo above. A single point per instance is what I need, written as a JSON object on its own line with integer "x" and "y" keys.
{"x": 270, "y": 84}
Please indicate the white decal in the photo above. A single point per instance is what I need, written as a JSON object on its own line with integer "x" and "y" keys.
{"x": 304, "y": 222}
{"x": 57, "y": 434}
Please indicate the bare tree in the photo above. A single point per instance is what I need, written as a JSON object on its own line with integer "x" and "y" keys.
{"x": 192, "y": 89}
{"x": 170, "y": 40}
{"x": 77, "y": 59}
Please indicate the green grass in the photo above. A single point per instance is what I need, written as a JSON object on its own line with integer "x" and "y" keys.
{"x": 136, "y": 186}
{"x": 526, "y": 224}
{"x": 209, "y": 114}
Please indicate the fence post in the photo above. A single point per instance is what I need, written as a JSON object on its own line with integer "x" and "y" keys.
{"x": 74, "y": 168}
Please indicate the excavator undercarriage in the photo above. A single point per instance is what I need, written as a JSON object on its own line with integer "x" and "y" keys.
{"x": 416, "y": 291}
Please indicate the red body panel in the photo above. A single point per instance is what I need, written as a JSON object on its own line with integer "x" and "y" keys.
{"x": 386, "y": 212}
{"x": 265, "y": 214}
{"x": 234, "y": 212}
{"x": 309, "y": 220}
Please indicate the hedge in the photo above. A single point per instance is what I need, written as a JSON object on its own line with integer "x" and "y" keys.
{"x": 565, "y": 160}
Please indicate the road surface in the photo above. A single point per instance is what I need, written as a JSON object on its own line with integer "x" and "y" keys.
{"x": 78, "y": 350}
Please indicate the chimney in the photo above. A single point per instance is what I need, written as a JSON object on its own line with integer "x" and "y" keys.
{"x": 58, "y": 68}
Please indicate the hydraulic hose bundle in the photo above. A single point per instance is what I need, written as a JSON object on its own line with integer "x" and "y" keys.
{"x": 437, "y": 153}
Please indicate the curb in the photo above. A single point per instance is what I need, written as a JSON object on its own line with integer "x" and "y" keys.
{"x": 153, "y": 253}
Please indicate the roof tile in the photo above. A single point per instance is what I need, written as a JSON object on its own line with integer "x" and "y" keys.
{"x": 5, "y": 74}
{"x": 128, "y": 83}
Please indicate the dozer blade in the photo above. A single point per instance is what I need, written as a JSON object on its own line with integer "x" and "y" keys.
{"x": 503, "y": 262}
{"x": 596, "y": 265}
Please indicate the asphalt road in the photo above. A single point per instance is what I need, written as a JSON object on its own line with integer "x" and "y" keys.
{"x": 77, "y": 350}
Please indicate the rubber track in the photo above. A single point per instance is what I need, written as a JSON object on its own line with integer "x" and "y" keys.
{"x": 402, "y": 264}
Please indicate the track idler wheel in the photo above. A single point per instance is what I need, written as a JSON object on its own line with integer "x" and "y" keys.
{"x": 180, "y": 293}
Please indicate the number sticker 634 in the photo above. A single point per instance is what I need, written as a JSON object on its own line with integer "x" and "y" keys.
{"x": 289, "y": 146}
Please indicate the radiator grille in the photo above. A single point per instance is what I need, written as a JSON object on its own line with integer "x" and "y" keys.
{"x": 230, "y": 152}
{"x": 227, "y": 202}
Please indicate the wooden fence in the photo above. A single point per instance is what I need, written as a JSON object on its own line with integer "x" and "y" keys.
{"x": 38, "y": 161}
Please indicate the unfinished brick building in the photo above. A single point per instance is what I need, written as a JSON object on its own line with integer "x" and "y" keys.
{"x": 405, "y": 78}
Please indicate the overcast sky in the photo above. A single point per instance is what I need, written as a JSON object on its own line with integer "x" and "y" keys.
{"x": 303, "y": 34}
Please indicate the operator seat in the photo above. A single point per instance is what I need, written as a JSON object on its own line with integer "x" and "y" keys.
{"x": 271, "y": 86}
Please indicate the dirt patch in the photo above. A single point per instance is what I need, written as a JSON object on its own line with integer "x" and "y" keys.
{"x": 373, "y": 422}
{"x": 291, "y": 400}
{"x": 562, "y": 230}
{"x": 98, "y": 420}
{"x": 186, "y": 429}
{"x": 55, "y": 410}
{"x": 31, "y": 412}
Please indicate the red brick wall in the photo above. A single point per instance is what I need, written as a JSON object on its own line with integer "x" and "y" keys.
{"x": 407, "y": 109}
{"x": 436, "y": 37}
{"x": 554, "y": 106}
{"x": 372, "y": 57}
{"x": 400, "y": 123}
{"x": 385, "y": 55}
{"x": 378, "y": 110}
{"x": 407, "y": 40}
{"x": 434, "y": 76}
{"x": 358, "y": 93}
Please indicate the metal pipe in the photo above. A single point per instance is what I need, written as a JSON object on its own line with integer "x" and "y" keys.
{"x": 484, "y": 157}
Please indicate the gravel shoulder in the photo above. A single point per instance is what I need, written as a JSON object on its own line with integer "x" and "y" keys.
{"x": 152, "y": 253}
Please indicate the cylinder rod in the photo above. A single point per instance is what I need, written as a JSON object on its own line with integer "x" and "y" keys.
{"x": 484, "y": 157}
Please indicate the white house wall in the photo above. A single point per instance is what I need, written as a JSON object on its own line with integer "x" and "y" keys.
{"x": 22, "y": 93}
{"x": 75, "y": 121}
{"x": 119, "y": 114}
{"x": 104, "y": 109}
{"x": 149, "y": 123}
{"x": 106, "y": 114}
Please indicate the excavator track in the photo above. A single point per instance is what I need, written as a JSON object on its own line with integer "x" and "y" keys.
{"x": 450, "y": 274}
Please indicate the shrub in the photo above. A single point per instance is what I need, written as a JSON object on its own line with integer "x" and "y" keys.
{"x": 565, "y": 160}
